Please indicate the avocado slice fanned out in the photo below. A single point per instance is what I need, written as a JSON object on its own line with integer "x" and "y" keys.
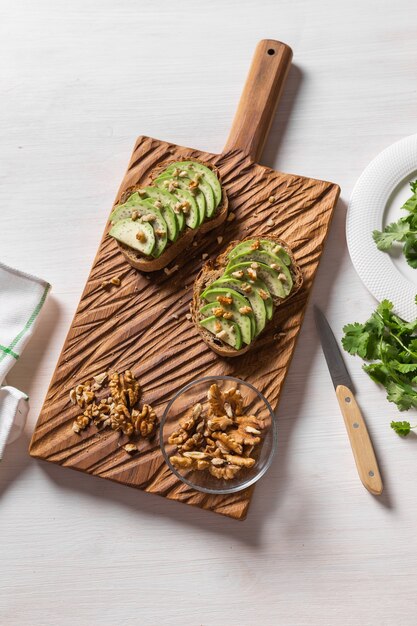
{"x": 193, "y": 167}
{"x": 147, "y": 214}
{"x": 263, "y": 256}
{"x": 192, "y": 216}
{"x": 230, "y": 330}
{"x": 184, "y": 183}
{"x": 164, "y": 202}
{"x": 251, "y": 294}
{"x": 167, "y": 200}
{"x": 268, "y": 275}
{"x": 246, "y": 322}
{"x": 126, "y": 231}
{"x": 264, "y": 244}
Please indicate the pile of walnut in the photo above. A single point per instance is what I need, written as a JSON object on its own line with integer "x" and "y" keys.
{"x": 118, "y": 411}
{"x": 219, "y": 438}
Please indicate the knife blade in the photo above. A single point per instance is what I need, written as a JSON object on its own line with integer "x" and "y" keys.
{"x": 360, "y": 441}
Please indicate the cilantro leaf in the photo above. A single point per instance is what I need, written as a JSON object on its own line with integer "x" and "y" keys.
{"x": 355, "y": 340}
{"x": 404, "y": 230}
{"x": 401, "y": 428}
{"x": 388, "y": 345}
{"x": 410, "y": 250}
{"x": 391, "y": 233}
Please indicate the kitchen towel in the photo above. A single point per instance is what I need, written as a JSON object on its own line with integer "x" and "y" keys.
{"x": 21, "y": 299}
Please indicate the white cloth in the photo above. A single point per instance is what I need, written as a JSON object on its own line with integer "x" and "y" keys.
{"x": 21, "y": 299}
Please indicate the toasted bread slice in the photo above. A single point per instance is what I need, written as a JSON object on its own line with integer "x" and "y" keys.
{"x": 211, "y": 271}
{"x": 173, "y": 249}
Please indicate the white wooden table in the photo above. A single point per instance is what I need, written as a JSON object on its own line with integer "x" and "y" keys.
{"x": 79, "y": 81}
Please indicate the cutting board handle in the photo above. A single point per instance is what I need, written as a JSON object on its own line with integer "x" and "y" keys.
{"x": 259, "y": 99}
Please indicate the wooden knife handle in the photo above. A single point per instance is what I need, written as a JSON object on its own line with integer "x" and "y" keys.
{"x": 360, "y": 442}
{"x": 259, "y": 99}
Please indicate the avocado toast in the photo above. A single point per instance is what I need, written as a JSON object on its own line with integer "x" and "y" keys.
{"x": 236, "y": 296}
{"x": 153, "y": 224}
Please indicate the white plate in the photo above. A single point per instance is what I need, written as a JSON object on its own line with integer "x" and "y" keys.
{"x": 376, "y": 201}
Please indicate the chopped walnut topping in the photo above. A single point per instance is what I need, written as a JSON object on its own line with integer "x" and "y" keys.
{"x": 246, "y": 287}
{"x": 217, "y": 327}
{"x": 149, "y": 217}
{"x": 170, "y": 270}
{"x": 277, "y": 249}
{"x": 183, "y": 173}
{"x": 140, "y": 236}
{"x": 224, "y": 299}
{"x": 218, "y": 311}
{"x": 130, "y": 448}
{"x": 264, "y": 295}
{"x": 256, "y": 245}
{"x": 282, "y": 278}
{"x": 222, "y": 334}
{"x": 252, "y": 273}
{"x": 115, "y": 281}
{"x": 238, "y": 274}
{"x": 158, "y": 204}
{"x": 204, "y": 256}
{"x": 271, "y": 199}
{"x": 228, "y": 315}
{"x": 270, "y": 222}
{"x": 134, "y": 215}
{"x": 245, "y": 310}
{"x": 231, "y": 217}
{"x": 172, "y": 185}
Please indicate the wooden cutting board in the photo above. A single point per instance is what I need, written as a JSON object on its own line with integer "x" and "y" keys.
{"x": 141, "y": 325}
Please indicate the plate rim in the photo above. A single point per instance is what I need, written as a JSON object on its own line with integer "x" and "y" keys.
{"x": 374, "y": 186}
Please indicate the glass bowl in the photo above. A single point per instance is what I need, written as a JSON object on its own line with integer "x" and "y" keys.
{"x": 254, "y": 403}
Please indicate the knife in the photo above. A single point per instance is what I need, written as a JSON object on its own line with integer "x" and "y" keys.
{"x": 360, "y": 441}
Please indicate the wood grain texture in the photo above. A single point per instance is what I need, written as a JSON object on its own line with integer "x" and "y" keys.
{"x": 360, "y": 442}
{"x": 134, "y": 326}
{"x": 258, "y": 102}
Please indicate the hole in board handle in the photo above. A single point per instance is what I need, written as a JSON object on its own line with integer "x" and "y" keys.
{"x": 271, "y": 51}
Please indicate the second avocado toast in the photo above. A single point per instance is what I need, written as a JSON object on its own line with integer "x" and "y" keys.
{"x": 236, "y": 296}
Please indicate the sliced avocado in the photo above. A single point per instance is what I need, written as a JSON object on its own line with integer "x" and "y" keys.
{"x": 245, "y": 321}
{"x": 264, "y": 244}
{"x": 144, "y": 207}
{"x": 255, "y": 300}
{"x": 262, "y": 256}
{"x": 125, "y": 231}
{"x": 167, "y": 200}
{"x": 183, "y": 183}
{"x": 207, "y": 174}
{"x": 192, "y": 218}
{"x": 149, "y": 195}
{"x": 233, "y": 337}
{"x": 264, "y": 272}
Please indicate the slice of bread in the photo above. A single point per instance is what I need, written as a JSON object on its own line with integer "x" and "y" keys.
{"x": 173, "y": 249}
{"x": 211, "y": 271}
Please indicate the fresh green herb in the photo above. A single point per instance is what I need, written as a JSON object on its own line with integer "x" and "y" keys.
{"x": 404, "y": 231}
{"x": 389, "y": 344}
{"x": 402, "y": 428}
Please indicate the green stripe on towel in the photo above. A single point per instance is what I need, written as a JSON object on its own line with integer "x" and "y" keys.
{"x": 9, "y": 350}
